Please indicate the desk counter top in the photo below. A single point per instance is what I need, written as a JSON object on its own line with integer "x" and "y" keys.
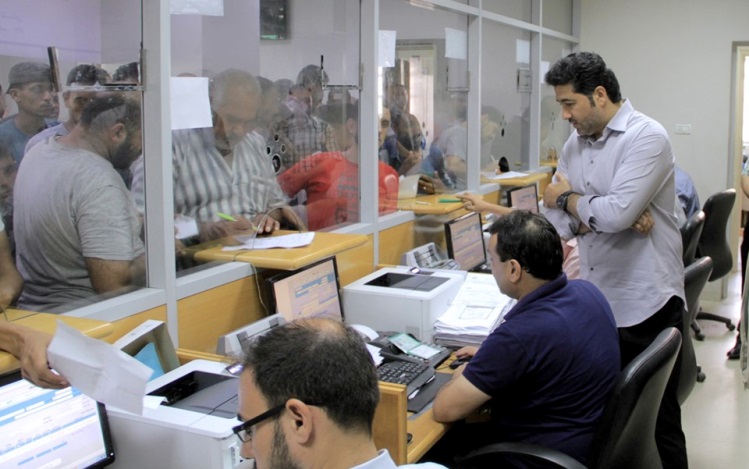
{"x": 530, "y": 178}
{"x": 435, "y": 204}
{"x": 48, "y": 323}
{"x": 324, "y": 245}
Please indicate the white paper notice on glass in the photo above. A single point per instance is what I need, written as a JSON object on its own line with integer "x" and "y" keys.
{"x": 197, "y": 7}
{"x": 386, "y": 49}
{"x": 456, "y": 44}
{"x": 98, "y": 369}
{"x": 190, "y": 106}
{"x": 522, "y": 51}
{"x": 294, "y": 240}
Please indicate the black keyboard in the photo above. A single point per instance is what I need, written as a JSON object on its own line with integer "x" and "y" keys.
{"x": 413, "y": 375}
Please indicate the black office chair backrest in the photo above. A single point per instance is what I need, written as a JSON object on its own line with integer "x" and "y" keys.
{"x": 695, "y": 278}
{"x": 713, "y": 241}
{"x": 690, "y": 236}
{"x": 626, "y": 432}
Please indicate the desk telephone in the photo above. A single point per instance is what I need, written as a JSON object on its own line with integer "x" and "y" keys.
{"x": 418, "y": 351}
{"x": 428, "y": 256}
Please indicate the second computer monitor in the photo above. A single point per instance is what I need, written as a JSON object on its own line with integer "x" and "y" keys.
{"x": 465, "y": 241}
{"x": 523, "y": 198}
{"x": 308, "y": 292}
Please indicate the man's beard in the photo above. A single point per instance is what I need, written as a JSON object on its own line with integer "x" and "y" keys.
{"x": 124, "y": 155}
{"x": 280, "y": 458}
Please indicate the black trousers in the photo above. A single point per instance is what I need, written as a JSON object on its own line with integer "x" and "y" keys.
{"x": 669, "y": 436}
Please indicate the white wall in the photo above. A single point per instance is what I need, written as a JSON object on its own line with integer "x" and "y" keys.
{"x": 673, "y": 60}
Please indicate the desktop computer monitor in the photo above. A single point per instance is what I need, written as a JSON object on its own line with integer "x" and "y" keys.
{"x": 60, "y": 428}
{"x": 465, "y": 241}
{"x": 308, "y": 292}
{"x": 523, "y": 198}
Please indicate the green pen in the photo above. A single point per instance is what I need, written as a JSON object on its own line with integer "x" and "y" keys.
{"x": 226, "y": 216}
{"x": 447, "y": 201}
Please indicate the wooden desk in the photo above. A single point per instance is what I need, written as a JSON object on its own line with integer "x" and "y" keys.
{"x": 324, "y": 245}
{"x": 430, "y": 204}
{"x": 48, "y": 323}
{"x": 550, "y": 164}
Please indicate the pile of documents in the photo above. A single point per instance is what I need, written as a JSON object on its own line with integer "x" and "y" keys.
{"x": 475, "y": 312}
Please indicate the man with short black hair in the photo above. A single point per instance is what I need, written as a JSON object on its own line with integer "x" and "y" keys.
{"x": 614, "y": 189}
{"x": 31, "y": 89}
{"x": 547, "y": 370}
{"x": 307, "y": 398}
{"x": 77, "y": 232}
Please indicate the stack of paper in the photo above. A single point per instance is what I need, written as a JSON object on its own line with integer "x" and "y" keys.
{"x": 474, "y": 313}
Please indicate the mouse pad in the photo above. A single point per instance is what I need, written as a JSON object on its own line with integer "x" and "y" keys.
{"x": 427, "y": 392}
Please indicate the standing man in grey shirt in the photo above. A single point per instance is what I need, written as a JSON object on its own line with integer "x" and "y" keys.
{"x": 77, "y": 231}
{"x": 614, "y": 189}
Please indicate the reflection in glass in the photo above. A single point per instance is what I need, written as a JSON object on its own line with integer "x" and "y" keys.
{"x": 505, "y": 108}
{"x": 554, "y": 130}
{"x": 428, "y": 85}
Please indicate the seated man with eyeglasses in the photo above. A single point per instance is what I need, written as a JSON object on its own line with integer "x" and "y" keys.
{"x": 307, "y": 397}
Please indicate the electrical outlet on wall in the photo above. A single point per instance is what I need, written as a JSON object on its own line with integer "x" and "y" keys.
{"x": 683, "y": 129}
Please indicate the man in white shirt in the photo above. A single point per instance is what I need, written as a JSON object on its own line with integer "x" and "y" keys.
{"x": 614, "y": 189}
{"x": 307, "y": 398}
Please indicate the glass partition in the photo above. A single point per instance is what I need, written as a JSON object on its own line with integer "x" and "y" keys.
{"x": 426, "y": 90}
{"x": 516, "y": 9}
{"x": 277, "y": 141}
{"x": 558, "y": 15}
{"x": 554, "y": 130}
{"x": 505, "y": 96}
{"x": 72, "y": 127}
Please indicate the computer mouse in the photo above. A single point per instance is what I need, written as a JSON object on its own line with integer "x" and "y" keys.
{"x": 459, "y": 361}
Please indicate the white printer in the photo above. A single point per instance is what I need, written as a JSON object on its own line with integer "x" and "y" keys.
{"x": 402, "y": 299}
{"x": 195, "y": 430}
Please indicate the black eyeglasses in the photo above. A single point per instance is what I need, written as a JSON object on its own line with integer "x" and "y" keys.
{"x": 244, "y": 430}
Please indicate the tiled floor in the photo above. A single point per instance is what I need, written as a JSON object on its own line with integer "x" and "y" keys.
{"x": 715, "y": 417}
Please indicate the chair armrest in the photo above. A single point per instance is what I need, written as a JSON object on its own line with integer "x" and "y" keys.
{"x": 525, "y": 449}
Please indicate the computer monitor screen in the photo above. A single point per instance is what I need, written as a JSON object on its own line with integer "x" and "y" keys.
{"x": 60, "y": 428}
{"x": 465, "y": 241}
{"x": 308, "y": 292}
{"x": 523, "y": 198}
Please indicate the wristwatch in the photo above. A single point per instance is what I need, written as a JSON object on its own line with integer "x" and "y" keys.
{"x": 562, "y": 200}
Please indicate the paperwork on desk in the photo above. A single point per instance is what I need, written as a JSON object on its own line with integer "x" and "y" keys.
{"x": 478, "y": 308}
{"x": 99, "y": 370}
{"x": 294, "y": 240}
{"x": 508, "y": 175}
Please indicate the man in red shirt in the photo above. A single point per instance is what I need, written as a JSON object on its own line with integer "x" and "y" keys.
{"x": 331, "y": 179}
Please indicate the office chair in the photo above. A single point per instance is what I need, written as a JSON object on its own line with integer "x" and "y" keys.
{"x": 695, "y": 278}
{"x": 713, "y": 243}
{"x": 690, "y": 236}
{"x": 625, "y": 435}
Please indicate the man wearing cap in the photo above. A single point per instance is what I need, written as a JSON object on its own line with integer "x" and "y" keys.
{"x": 31, "y": 88}
{"x": 79, "y": 76}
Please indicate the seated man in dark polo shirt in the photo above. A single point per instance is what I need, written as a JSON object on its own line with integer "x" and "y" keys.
{"x": 546, "y": 371}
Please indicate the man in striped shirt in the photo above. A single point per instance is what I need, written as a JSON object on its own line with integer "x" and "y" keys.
{"x": 223, "y": 179}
